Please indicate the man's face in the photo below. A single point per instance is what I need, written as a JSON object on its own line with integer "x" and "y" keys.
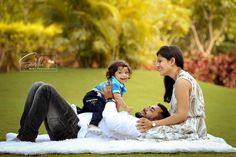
{"x": 152, "y": 112}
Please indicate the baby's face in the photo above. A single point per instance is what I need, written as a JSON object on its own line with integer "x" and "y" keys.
{"x": 122, "y": 74}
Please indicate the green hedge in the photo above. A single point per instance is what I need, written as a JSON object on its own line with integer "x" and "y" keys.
{"x": 19, "y": 39}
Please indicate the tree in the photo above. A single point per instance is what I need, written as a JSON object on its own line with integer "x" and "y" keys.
{"x": 210, "y": 21}
{"x": 19, "y": 11}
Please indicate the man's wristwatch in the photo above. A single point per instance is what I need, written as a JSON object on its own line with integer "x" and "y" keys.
{"x": 111, "y": 100}
{"x": 154, "y": 124}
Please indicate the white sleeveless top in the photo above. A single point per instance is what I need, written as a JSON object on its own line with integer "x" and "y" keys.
{"x": 193, "y": 128}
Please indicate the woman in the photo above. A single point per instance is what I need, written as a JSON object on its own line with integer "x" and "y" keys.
{"x": 185, "y": 98}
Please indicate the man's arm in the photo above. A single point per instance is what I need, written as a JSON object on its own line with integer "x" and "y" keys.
{"x": 118, "y": 124}
{"x": 107, "y": 92}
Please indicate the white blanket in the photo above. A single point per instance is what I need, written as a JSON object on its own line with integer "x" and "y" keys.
{"x": 105, "y": 146}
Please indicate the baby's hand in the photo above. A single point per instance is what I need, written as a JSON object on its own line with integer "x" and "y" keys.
{"x": 128, "y": 109}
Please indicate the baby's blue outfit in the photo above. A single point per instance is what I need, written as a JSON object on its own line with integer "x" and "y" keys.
{"x": 95, "y": 102}
{"x": 117, "y": 87}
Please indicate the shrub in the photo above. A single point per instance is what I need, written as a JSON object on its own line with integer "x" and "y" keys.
{"x": 219, "y": 69}
{"x": 18, "y": 39}
{"x": 225, "y": 71}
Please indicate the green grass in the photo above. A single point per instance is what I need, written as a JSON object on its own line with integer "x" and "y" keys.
{"x": 144, "y": 88}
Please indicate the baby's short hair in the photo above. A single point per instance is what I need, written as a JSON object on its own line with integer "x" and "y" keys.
{"x": 114, "y": 67}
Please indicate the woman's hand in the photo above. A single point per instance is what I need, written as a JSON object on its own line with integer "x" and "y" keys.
{"x": 143, "y": 124}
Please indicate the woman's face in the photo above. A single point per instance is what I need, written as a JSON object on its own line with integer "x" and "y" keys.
{"x": 163, "y": 65}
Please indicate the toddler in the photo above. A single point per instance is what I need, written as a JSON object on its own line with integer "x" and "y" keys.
{"x": 118, "y": 74}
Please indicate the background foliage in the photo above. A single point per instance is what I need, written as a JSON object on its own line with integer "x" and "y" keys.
{"x": 88, "y": 33}
{"x": 219, "y": 69}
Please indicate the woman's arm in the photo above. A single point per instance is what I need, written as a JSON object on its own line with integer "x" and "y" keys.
{"x": 182, "y": 92}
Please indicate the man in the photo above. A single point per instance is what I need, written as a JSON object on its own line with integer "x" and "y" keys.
{"x": 45, "y": 104}
{"x": 121, "y": 125}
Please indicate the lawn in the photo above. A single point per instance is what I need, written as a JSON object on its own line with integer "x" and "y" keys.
{"x": 144, "y": 88}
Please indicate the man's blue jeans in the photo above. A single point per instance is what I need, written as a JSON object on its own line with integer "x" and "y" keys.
{"x": 43, "y": 103}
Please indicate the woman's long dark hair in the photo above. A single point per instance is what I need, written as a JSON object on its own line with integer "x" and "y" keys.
{"x": 169, "y": 52}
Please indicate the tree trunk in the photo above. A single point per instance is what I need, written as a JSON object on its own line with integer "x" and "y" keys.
{"x": 196, "y": 39}
{"x": 215, "y": 36}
